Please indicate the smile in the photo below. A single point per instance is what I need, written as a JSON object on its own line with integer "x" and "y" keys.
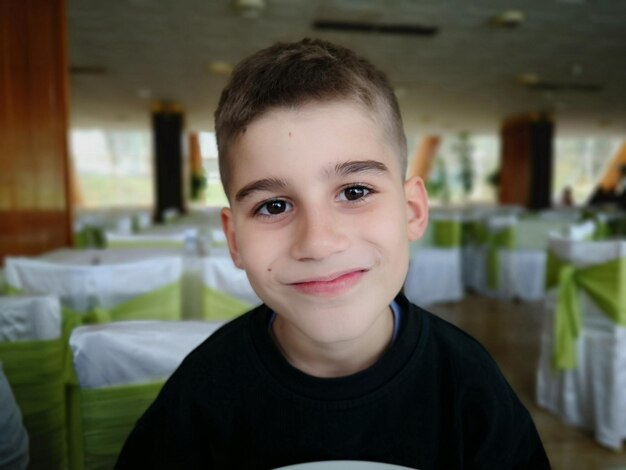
{"x": 331, "y": 286}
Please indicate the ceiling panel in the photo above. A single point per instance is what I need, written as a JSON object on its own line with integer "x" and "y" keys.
{"x": 464, "y": 78}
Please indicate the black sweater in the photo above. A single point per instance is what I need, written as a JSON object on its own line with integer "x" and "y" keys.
{"x": 436, "y": 399}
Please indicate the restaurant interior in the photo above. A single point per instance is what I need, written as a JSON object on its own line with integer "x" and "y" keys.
{"x": 114, "y": 264}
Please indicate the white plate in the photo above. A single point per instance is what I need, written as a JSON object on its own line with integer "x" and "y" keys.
{"x": 342, "y": 465}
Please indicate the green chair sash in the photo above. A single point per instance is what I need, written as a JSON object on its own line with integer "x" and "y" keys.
{"x": 35, "y": 371}
{"x": 553, "y": 266}
{"x": 447, "y": 233}
{"x": 100, "y": 420}
{"x": 497, "y": 240}
{"x": 160, "y": 304}
{"x": 90, "y": 237}
{"x": 474, "y": 232}
{"x": 604, "y": 283}
{"x": 220, "y": 306}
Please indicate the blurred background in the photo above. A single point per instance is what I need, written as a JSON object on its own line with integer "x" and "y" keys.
{"x": 515, "y": 116}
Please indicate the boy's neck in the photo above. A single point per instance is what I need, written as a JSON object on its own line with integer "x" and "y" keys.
{"x": 337, "y": 359}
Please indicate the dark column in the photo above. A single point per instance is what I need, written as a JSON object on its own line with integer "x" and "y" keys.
{"x": 526, "y": 161}
{"x": 167, "y": 129}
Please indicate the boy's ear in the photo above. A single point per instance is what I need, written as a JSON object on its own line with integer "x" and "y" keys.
{"x": 228, "y": 226}
{"x": 417, "y": 207}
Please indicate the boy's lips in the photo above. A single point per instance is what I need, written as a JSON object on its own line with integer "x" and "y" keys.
{"x": 331, "y": 285}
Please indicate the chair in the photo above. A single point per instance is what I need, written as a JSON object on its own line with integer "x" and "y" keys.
{"x": 32, "y": 351}
{"x": 226, "y": 291}
{"x": 435, "y": 265}
{"x": 72, "y": 285}
{"x": 483, "y": 263}
{"x": 148, "y": 289}
{"x": 120, "y": 368}
{"x": 582, "y": 369}
{"x": 523, "y": 265}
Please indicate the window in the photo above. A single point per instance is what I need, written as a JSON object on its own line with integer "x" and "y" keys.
{"x": 113, "y": 168}
{"x": 214, "y": 192}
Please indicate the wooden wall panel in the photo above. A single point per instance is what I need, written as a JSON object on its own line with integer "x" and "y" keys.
{"x": 515, "y": 164}
{"x": 526, "y": 161}
{"x": 35, "y": 212}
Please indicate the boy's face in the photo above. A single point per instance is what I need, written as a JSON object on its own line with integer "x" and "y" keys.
{"x": 320, "y": 218}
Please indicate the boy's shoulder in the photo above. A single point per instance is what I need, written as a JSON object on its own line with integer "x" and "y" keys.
{"x": 230, "y": 338}
{"x": 454, "y": 349}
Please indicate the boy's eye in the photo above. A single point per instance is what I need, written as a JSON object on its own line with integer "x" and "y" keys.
{"x": 353, "y": 193}
{"x": 275, "y": 207}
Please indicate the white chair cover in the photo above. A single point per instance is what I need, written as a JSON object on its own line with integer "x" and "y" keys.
{"x": 134, "y": 352}
{"x": 29, "y": 318}
{"x": 82, "y": 288}
{"x": 434, "y": 276}
{"x": 475, "y": 258}
{"x": 592, "y": 396}
{"x": 118, "y": 283}
{"x": 72, "y": 285}
{"x": 435, "y": 273}
{"x": 580, "y": 231}
{"x": 523, "y": 268}
{"x": 221, "y": 274}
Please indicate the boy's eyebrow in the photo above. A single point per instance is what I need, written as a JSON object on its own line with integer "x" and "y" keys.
{"x": 265, "y": 184}
{"x": 360, "y": 166}
{"x": 341, "y": 169}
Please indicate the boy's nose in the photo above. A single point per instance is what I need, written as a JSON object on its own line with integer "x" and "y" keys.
{"x": 318, "y": 236}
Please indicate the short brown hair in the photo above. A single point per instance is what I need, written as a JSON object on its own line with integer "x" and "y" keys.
{"x": 292, "y": 74}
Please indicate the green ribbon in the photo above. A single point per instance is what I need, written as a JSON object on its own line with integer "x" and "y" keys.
{"x": 90, "y": 236}
{"x": 135, "y": 226}
{"x": 35, "y": 371}
{"x": 553, "y": 267}
{"x": 447, "y": 233}
{"x": 100, "y": 420}
{"x": 474, "y": 232}
{"x": 604, "y": 283}
{"x": 160, "y": 304}
{"x": 602, "y": 231}
{"x": 496, "y": 240}
{"x": 220, "y": 306}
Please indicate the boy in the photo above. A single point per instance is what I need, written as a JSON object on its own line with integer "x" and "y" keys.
{"x": 337, "y": 364}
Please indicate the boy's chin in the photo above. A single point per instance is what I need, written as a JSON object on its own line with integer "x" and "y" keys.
{"x": 335, "y": 325}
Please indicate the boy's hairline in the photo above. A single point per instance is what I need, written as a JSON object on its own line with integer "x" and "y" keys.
{"x": 397, "y": 148}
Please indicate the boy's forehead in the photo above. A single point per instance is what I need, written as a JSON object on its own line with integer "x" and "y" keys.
{"x": 317, "y": 136}
{"x": 328, "y": 124}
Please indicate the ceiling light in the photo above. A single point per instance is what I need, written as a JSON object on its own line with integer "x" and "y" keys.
{"x": 249, "y": 8}
{"x": 144, "y": 93}
{"x": 528, "y": 79}
{"x": 220, "y": 67}
{"x": 576, "y": 70}
{"x": 509, "y": 19}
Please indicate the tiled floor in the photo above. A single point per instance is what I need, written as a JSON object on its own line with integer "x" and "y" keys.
{"x": 511, "y": 331}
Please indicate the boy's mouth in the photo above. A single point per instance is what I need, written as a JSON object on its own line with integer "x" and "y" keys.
{"x": 330, "y": 285}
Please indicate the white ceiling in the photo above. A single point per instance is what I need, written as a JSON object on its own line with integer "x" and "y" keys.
{"x": 464, "y": 78}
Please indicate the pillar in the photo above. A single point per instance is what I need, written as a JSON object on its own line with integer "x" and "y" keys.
{"x": 167, "y": 129}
